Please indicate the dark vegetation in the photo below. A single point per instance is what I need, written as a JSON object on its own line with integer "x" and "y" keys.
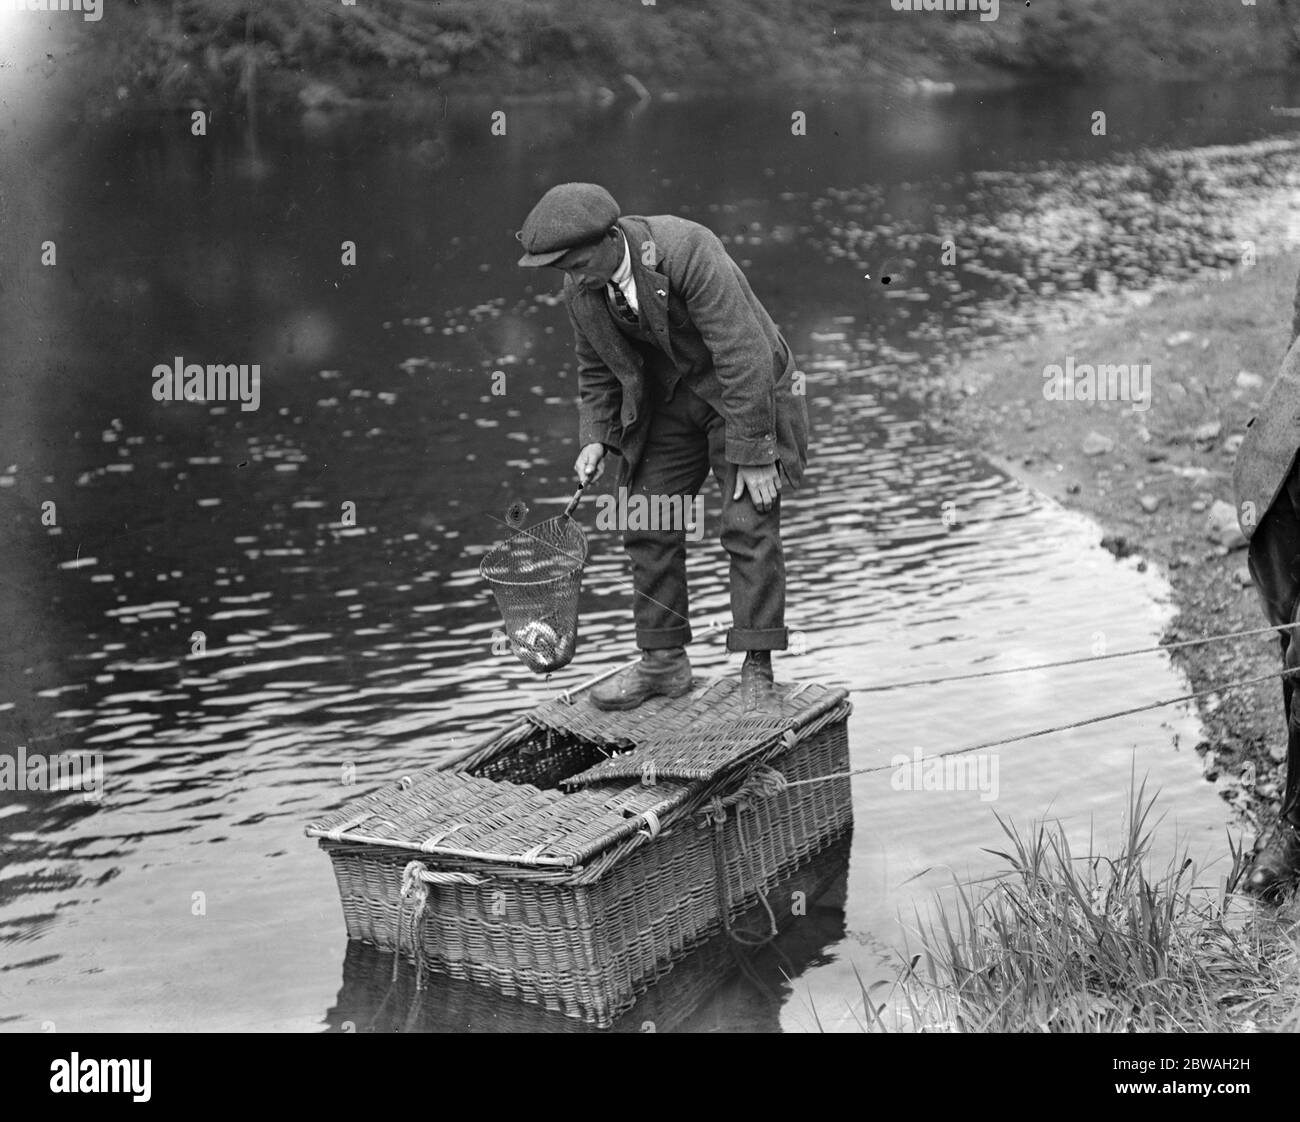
{"x": 167, "y": 51}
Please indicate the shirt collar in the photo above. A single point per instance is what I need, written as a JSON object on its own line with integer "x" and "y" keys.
{"x": 623, "y": 274}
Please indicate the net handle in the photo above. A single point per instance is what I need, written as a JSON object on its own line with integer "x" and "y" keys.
{"x": 573, "y": 502}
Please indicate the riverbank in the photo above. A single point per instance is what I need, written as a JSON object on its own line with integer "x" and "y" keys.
{"x": 296, "y": 53}
{"x": 1151, "y": 478}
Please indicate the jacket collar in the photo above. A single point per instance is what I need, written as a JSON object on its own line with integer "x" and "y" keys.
{"x": 591, "y": 309}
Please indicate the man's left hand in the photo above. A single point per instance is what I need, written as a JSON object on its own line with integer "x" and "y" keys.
{"x": 763, "y": 482}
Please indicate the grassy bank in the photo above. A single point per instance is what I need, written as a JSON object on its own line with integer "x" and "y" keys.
{"x": 167, "y": 51}
{"x": 1066, "y": 942}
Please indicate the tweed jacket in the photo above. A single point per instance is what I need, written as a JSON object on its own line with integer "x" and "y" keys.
{"x": 698, "y": 304}
{"x": 1268, "y": 453}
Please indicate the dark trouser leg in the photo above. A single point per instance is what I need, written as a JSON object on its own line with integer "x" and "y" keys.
{"x": 752, "y": 539}
{"x": 1275, "y": 568}
{"x": 1291, "y": 661}
{"x": 675, "y": 463}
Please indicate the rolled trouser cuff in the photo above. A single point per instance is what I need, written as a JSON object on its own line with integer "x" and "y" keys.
{"x": 764, "y": 639}
{"x": 662, "y": 638}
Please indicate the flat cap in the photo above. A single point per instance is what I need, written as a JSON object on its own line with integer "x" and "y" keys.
{"x": 567, "y": 215}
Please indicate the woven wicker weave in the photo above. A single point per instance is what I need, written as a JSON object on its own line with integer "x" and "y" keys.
{"x": 571, "y": 901}
{"x": 714, "y": 735}
{"x": 381, "y": 993}
{"x": 470, "y": 820}
{"x": 709, "y": 702}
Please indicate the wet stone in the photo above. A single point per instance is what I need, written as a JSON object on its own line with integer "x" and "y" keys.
{"x": 1221, "y": 526}
{"x": 1095, "y": 444}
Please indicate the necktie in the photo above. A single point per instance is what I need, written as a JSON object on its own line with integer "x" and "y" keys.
{"x": 621, "y": 305}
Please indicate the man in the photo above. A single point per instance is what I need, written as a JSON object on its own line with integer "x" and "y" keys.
{"x": 680, "y": 370}
{"x": 1267, "y": 480}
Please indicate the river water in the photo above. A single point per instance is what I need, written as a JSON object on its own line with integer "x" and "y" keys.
{"x": 204, "y": 615}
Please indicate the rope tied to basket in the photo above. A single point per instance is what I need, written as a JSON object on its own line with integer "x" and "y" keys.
{"x": 414, "y": 886}
{"x": 762, "y": 783}
{"x": 415, "y": 889}
{"x": 417, "y": 878}
{"x": 716, "y": 814}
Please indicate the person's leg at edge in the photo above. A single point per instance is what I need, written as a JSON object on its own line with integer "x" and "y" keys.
{"x": 1274, "y": 558}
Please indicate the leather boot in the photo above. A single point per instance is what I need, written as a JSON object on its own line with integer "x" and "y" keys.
{"x": 665, "y": 673}
{"x": 756, "y": 692}
{"x": 1277, "y": 864}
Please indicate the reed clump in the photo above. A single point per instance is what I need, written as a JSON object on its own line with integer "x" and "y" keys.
{"x": 1066, "y": 942}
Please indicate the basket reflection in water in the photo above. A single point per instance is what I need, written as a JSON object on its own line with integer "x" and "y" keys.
{"x": 574, "y": 857}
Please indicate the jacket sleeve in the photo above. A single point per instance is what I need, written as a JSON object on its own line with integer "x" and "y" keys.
{"x": 718, "y": 299}
{"x": 600, "y": 396}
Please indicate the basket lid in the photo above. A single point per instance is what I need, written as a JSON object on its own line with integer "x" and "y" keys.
{"x": 698, "y": 744}
{"x": 459, "y": 817}
{"x": 701, "y": 736}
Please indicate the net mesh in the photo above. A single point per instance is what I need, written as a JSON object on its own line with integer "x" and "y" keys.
{"x": 536, "y": 577}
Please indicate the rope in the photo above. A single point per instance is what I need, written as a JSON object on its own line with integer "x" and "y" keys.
{"x": 436, "y": 877}
{"x": 760, "y": 881}
{"x": 716, "y": 814}
{"x": 415, "y": 889}
{"x": 1076, "y": 661}
{"x": 1055, "y": 728}
{"x": 738, "y": 938}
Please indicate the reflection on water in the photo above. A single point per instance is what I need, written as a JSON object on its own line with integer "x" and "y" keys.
{"x": 254, "y": 615}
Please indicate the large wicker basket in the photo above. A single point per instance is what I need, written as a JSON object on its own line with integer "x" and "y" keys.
{"x": 384, "y": 993}
{"x": 573, "y": 858}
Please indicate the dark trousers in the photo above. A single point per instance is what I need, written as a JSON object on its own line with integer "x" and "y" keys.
{"x": 685, "y": 440}
{"x": 1275, "y": 568}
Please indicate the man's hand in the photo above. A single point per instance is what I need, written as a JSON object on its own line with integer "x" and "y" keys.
{"x": 762, "y": 482}
{"x": 590, "y": 463}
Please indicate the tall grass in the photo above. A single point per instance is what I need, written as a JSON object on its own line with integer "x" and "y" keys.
{"x": 1064, "y": 942}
